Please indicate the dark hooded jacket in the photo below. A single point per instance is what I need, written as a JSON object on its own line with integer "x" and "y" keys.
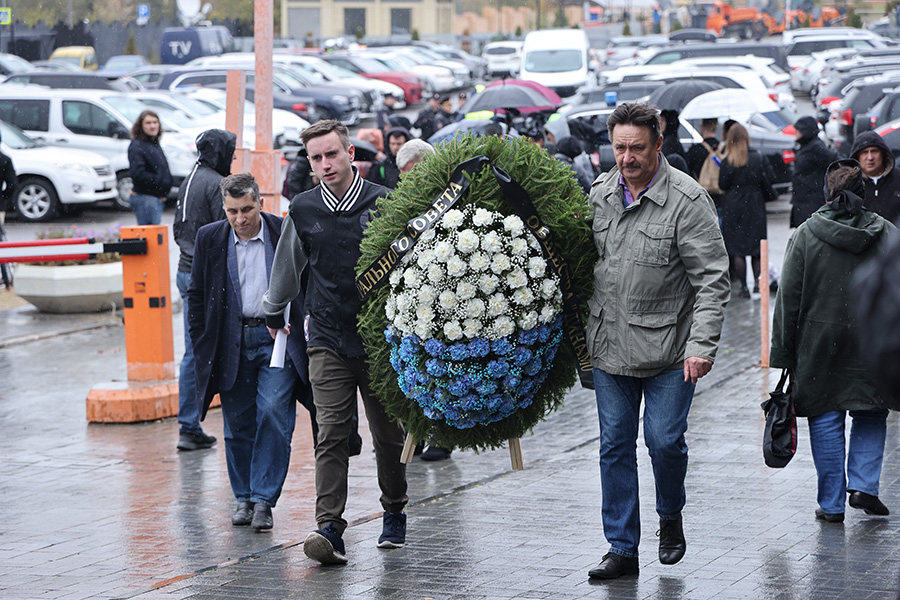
{"x": 199, "y": 198}
{"x": 813, "y": 331}
{"x": 671, "y": 147}
{"x": 570, "y": 152}
{"x": 149, "y": 168}
{"x": 811, "y": 158}
{"x": 883, "y": 195}
{"x": 7, "y": 182}
{"x": 386, "y": 172}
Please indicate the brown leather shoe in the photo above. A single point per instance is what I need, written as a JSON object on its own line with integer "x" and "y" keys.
{"x": 613, "y": 566}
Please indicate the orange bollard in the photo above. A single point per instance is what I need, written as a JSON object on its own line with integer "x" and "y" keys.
{"x": 151, "y": 391}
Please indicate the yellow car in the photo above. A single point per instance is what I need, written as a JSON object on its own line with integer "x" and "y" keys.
{"x": 81, "y": 56}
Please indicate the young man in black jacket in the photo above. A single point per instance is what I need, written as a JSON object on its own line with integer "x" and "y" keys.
{"x": 199, "y": 203}
{"x": 322, "y": 235}
{"x": 881, "y": 176}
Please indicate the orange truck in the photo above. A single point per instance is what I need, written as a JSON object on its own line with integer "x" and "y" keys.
{"x": 745, "y": 22}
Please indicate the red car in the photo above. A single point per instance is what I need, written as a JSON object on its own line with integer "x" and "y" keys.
{"x": 372, "y": 69}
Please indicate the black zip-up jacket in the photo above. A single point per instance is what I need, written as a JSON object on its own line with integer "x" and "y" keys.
{"x": 327, "y": 242}
{"x": 149, "y": 169}
{"x": 199, "y": 197}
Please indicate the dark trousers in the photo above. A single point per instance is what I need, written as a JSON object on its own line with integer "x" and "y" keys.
{"x": 335, "y": 380}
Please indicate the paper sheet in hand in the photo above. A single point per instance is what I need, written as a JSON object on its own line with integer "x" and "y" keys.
{"x": 280, "y": 343}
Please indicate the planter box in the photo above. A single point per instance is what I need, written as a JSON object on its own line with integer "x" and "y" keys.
{"x": 71, "y": 289}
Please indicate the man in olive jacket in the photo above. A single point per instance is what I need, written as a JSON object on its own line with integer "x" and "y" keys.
{"x": 661, "y": 285}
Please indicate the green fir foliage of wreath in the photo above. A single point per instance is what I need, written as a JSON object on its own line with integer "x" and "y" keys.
{"x": 562, "y": 206}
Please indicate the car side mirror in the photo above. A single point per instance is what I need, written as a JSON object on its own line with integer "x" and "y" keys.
{"x": 117, "y": 131}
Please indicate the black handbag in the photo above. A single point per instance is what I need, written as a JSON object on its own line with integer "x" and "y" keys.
{"x": 780, "y": 436}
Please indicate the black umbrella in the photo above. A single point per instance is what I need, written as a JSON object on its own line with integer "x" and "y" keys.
{"x": 364, "y": 150}
{"x": 507, "y": 96}
{"x": 674, "y": 96}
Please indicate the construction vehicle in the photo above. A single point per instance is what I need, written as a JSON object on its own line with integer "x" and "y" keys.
{"x": 748, "y": 22}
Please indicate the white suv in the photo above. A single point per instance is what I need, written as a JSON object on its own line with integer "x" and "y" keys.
{"x": 51, "y": 178}
{"x": 81, "y": 119}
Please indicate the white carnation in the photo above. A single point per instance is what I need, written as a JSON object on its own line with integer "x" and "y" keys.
{"x": 427, "y": 236}
{"x": 523, "y": 296}
{"x": 466, "y": 290}
{"x": 426, "y": 294}
{"x": 503, "y": 326}
{"x": 518, "y": 247}
{"x": 453, "y": 330}
{"x": 447, "y": 300}
{"x": 475, "y": 308}
{"x": 390, "y": 307}
{"x": 435, "y": 273}
{"x": 471, "y": 328}
{"x": 488, "y": 284}
{"x": 412, "y": 278}
{"x": 424, "y": 312}
{"x": 443, "y": 251}
{"x": 404, "y": 302}
{"x": 456, "y": 267}
{"x": 548, "y": 288}
{"x": 424, "y": 329}
{"x": 516, "y": 279}
{"x": 425, "y": 259}
{"x": 468, "y": 241}
{"x": 492, "y": 242}
{"x": 514, "y": 225}
{"x": 528, "y": 321}
{"x": 500, "y": 263}
{"x": 483, "y": 217}
{"x": 497, "y": 305}
{"x": 536, "y": 267}
{"x": 548, "y": 313}
{"x": 479, "y": 262}
{"x": 452, "y": 219}
{"x": 394, "y": 279}
{"x": 533, "y": 243}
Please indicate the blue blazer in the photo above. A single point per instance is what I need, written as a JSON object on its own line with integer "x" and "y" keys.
{"x": 214, "y": 309}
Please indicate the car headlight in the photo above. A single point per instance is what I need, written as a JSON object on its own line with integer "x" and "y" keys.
{"x": 74, "y": 167}
{"x": 341, "y": 100}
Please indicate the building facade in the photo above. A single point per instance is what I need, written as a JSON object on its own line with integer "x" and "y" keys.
{"x": 319, "y": 19}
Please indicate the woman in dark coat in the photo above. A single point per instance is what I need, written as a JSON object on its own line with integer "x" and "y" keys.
{"x": 149, "y": 169}
{"x": 814, "y": 335}
{"x": 811, "y": 158}
{"x": 745, "y": 177}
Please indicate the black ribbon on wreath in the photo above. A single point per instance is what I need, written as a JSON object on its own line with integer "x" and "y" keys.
{"x": 378, "y": 272}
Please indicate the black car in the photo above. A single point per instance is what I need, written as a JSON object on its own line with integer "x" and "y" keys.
{"x": 669, "y": 54}
{"x": 328, "y": 106}
{"x": 860, "y": 96}
{"x": 627, "y": 91}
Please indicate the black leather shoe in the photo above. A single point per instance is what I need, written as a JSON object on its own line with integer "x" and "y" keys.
{"x": 195, "y": 441}
{"x": 671, "y": 541}
{"x": 867, "y": 502}
{"x": 821, "y": 515}
{"x": 613, "y": 566}
{"x": 243, "y": 515}
{"x": 262, "y": 517}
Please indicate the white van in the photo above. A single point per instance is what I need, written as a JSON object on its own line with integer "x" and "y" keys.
{"x": 557, "y": 58}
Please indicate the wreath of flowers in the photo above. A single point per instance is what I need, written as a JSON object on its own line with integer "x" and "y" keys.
{"x": 465, "y": 342}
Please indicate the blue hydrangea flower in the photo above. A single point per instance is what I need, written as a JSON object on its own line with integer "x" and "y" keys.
{"x": 435, "y": 347}
{"x": 497, "y": 368}
{"x": 479, "y": 347}
{"x": 501, "y": 347}
{"x": 459, "y": 351}
{"x": 435, "y": 367}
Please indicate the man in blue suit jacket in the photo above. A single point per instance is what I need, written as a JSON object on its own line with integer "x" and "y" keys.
{"x": 229, "y": 275}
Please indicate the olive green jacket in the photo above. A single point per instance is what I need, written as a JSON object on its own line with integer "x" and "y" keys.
{"x": 661, "y": 282}
{"x": 813, "y": 331}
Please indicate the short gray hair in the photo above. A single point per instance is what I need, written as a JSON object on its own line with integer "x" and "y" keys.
{"x": 239, "y": 185}
{"x": 412, "y": 149}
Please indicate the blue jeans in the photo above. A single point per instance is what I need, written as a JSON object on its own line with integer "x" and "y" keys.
{"x": 147, "y": 209}
{"x": 667, "y": 401}
{"x": 826, "y": 438}
{"x": 259, "y": 415}
{"x": 188, "y": 403}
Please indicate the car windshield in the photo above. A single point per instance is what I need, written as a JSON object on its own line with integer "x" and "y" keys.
{"x": 502, "y": 50}
{"x": 308, "y": 70}
{"x": 131, "y": 109}
{"x": 122, "y": 62}
{"x": 193, "y": 106}
{"x": 330, "y": 71}
{"x": 370, "y": 65}
{"x": 15, "y": 137}
{"x": 553, "y": 61}
{"x": 72, "y": 60}
{"x": 15, "y": 64}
